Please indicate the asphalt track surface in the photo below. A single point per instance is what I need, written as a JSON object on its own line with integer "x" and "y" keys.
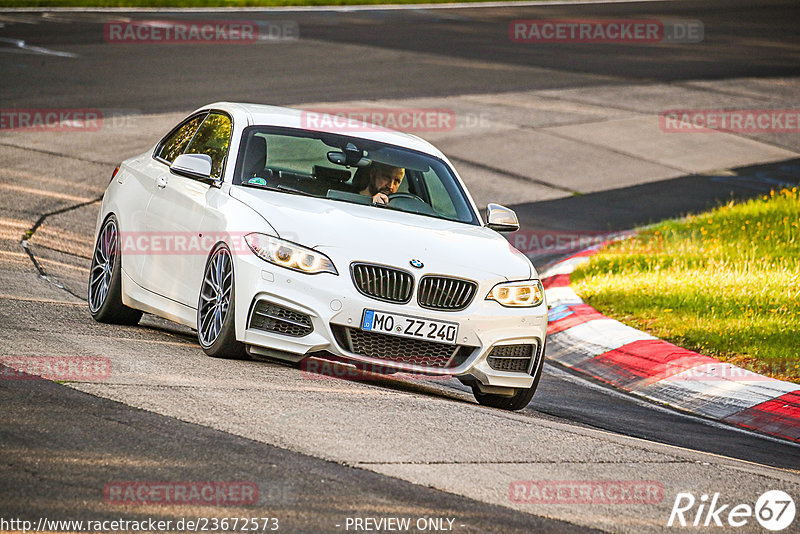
{"x": 47, "y": 429}
{"x": 417, "y": 53}
{"x": 305, "y": 493}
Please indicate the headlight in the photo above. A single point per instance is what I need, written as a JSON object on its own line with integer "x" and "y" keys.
{"x": 527, "y": 293}
{"x": 289, "y": 255}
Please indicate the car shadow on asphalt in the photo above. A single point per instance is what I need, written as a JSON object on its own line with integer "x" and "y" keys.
{"x": 322, "y": 367}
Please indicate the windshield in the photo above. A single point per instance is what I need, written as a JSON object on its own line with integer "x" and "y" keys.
{"x": 316, "y": 164}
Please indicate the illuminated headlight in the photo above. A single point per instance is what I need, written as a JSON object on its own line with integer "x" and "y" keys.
{"x": 527, "y": 293}
{"x": 289, "y": 255}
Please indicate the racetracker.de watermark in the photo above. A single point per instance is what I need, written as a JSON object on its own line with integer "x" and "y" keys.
{"x": 216, "y": 493}
{"x": 585, "y": 492}
{"x": 199, "y": 31}
{"x": 67, "y": 368}
{"x": 359, "y": 120}
{"x": 730, "y": 120}
{"x": 51, "y": 119}
{"x": 179, "y": 243}
{"x": 540, "y": 242}
{"x": 313, "y": 369}
{"x": 605, "y": 31}
{"x": 748, "y": 373}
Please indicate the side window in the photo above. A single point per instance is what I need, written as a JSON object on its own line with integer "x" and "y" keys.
{"x": 441, "y": 200}
{"x": 213, "y": 139}
{"x": 174, "y": 145}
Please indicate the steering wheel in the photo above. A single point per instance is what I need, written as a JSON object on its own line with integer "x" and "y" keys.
{"x": 411, "y": 203}
{"x": 410, "y": 196}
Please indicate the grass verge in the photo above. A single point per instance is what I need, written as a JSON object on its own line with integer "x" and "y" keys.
{"x": 724, "y": 283}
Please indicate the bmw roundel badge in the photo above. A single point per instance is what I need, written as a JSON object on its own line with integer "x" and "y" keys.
{"x": 416, "y": 263}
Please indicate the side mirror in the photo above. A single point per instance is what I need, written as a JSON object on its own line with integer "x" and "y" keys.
{"x": 197, "y": 166}
{"x": 501, "y": 219}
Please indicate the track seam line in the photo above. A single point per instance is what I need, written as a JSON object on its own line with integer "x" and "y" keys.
{"x": 51, "y": 153}
{"x": 32, "y": 230}
{"x": 73, "y": 254}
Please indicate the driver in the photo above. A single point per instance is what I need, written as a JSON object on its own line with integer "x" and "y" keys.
{"x": 384, "y": 180}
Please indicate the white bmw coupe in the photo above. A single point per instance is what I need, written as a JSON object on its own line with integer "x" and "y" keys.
{"x": 360, "y": 245}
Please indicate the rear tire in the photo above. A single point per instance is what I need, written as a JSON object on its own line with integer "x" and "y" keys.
{"x": 216, "y": 318}
{"x": 104, "y": 293}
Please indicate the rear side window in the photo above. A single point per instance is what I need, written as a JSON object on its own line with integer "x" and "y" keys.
{"x": 175, "y": 143}
{"x": 213, "y": 138}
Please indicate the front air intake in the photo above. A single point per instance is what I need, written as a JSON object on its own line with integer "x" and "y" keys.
{"x": 271, "y": 317}
{"x": 512, "y": 358}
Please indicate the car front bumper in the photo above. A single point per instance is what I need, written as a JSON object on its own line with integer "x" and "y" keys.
{"x": 332, "y": 301}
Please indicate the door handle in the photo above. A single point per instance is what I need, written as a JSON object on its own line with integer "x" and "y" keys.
{"x": 161, "y": 182}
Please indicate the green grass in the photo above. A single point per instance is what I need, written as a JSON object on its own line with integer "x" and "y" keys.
{"x": 724, "y": 283}
{"x": 208, "y": 3}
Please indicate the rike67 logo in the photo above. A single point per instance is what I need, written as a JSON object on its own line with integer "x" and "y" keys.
{"x": 774, "y": 510}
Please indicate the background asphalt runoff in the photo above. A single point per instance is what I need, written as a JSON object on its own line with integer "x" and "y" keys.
{"x": 412, "y": 53}
{"x": 238, "y": 413}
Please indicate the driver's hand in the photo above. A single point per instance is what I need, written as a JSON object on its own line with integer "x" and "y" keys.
{"x": 380, "y": 198}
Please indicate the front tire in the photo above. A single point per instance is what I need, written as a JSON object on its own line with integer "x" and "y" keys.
{"x": 216, "y": 321}
{"x": 521, "y": 397}
{"x": 519, "y": 400}
{"x": 105, "y": 279}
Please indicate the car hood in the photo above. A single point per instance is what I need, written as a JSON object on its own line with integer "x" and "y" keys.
{"x": 352, "y": 232}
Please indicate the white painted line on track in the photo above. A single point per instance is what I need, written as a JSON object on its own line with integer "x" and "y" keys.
{"x": 20, "y": 44}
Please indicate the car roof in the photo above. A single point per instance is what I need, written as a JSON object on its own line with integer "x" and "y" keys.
{"x": 264, "y": 115}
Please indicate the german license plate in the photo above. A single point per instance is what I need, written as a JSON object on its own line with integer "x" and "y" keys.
{"x": 406, "y": 326}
